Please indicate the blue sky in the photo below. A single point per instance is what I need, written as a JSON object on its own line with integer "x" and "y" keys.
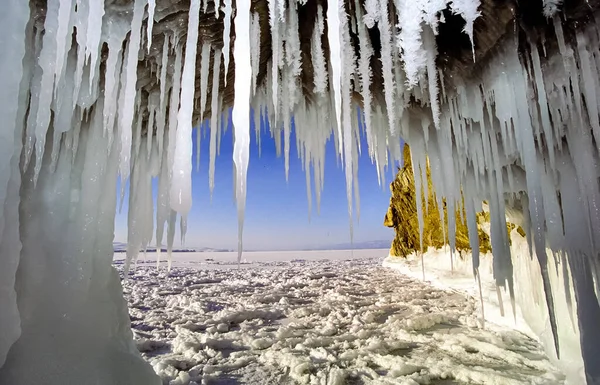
{"x": 277, "y": 215}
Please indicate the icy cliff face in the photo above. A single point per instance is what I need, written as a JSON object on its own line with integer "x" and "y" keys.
{"x": 100, "y": 89}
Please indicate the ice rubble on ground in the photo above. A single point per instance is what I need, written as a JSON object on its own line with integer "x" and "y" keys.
{"x": 527, "y": 130}
{"x": 531, "y": 315}
{"x": 298, "y": 318}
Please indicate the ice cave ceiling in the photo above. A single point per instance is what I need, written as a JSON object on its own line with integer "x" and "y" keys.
{"x": 498, "y": 19}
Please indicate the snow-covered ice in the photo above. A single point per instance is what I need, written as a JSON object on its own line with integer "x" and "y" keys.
{"x": 316, "y": 318}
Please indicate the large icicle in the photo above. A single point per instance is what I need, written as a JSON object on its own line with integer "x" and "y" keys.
{"x": 241, "y": 111}
{"x": 335, "y": 60}
{"x": 227, "y": 10}
{"x": 126, "y": 110}
{"x": 389, "y": 87}
{"x": 204, "y": 72}
{"x": 318, "y": 56}
{"x": 94, "y": 34}
{"x": 53, "y": 45}
{"x": 181, "y": 182}
{"x": 214, "y": 120}
{"x": 13, "y": 23}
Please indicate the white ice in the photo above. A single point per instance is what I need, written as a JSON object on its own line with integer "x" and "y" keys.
{"x": 317, "y": 318}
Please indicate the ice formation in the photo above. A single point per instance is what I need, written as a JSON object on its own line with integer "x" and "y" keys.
{"x": 93, "y": 90}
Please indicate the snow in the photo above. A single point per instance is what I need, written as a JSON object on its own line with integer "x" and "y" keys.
{"x": 531, "y": 316}
{"x": 326, "y": 317}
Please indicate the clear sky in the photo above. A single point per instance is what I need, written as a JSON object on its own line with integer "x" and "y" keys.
{"x": 277, "y": 216}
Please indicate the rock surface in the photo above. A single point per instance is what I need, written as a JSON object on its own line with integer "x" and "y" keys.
{"x": 402, "y": 216}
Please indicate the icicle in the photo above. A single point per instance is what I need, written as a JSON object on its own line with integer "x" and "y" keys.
{"x": 94, "y": 34}
{"x": 51, "y": 55}
{"x": 409, "y": 40}
{"x": 181, "y": 182}
{"x": 153, "y": 100}
{"x": 276, "y": 48}
{"x": 335, "y": 60}
{"x": 111, "y": 77}
{"x": 255, "y": 49}
{"x": 63, "y": 39}
{"x": 364, "y": 70}
{"x": 162, "y": 204}
{"x": 431, "y": 53}
{"x": 389, "y": 87}
{"x": 318, "y": 56}
{"x": 241, "y": 111}
{"x": 128, "y": 91}
{"x": 468, "y": 10}
{"x": 13, "y": 23}
{"x": 162, "y": 109}
{"x": 171, "y": 238}
{"x": 182, "y": 229}
{"x": 174, "y": 109}
{"x": 204, "y": 72}
{"x": 81, "y": 24}
{"x": 227, "y": 9}
{"x": 214, "y": 122}
{"x": 151, "y": 7}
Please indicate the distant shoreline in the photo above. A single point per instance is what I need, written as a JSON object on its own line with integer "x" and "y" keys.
{"x": 370, "y": 245}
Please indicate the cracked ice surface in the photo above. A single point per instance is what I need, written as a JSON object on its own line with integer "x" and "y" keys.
{"x": 310, "y": 321}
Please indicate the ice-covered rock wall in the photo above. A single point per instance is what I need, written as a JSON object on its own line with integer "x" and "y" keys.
{"x": 96, "y": 90}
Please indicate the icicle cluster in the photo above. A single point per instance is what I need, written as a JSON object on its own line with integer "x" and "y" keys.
{"x": 518, "y": 137}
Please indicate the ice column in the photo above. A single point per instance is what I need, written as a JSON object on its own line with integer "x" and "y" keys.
{"x": 241, "y": 110}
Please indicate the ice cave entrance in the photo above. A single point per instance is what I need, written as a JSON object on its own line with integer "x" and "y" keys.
{"x": 500, "y": 99}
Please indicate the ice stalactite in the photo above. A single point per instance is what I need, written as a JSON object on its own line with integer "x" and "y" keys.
{"x": 162, "y": 109}
{"x": 365, "y": 73}
{"x": 385, "y": 31}
{"x": 128, "y": 90}
{"x": 227, "y": 10}
{"x": 150, "y": 22}
{"x": 318, "y": 56}
{"x": 181, "y": 179}
{"x": 13, "y": 36}
{"x": 241, "y": 111}
{"x": 275, "y": 59}
{"x": 335, "y": 60}
{"x": 469, "y": 10}
{"x": 94, "y": 35}
{"x": 214, "y": 122}
{"x": 162, "y": 204}
{"x": 255, "y": 49}
{"x": 204, "y": 72}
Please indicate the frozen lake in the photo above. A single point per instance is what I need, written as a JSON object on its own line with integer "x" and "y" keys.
{"x": 316, "y": 318}
{"x": 209, "y": 259}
